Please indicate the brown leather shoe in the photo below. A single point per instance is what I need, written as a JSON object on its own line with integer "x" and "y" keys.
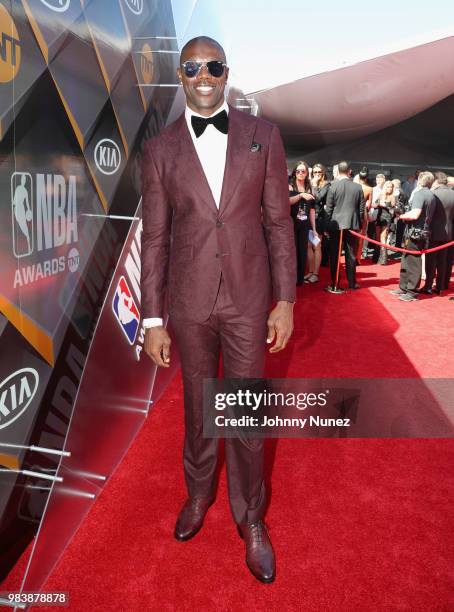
{"x": 190, "y": 519}
{"x": 259, "y": 552}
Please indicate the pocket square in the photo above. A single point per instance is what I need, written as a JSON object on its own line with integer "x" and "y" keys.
{"x": 255, "y": 147}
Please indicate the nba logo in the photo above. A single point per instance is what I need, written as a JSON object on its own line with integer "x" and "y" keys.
{"x": 22, "y": 213}
{"x": 125, "y": 310}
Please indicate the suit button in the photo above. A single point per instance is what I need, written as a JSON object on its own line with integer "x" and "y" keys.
{"x": 219, "y": 223}
{"x": 217, "y": 254}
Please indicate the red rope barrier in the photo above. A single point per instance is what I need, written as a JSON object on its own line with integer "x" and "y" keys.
{"x": 393, "y": 248}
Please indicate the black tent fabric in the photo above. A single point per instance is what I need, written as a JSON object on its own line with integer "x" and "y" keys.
{"x": 423, "y": 141}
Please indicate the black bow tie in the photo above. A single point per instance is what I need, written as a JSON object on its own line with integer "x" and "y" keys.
{"x": 220, "y": 122}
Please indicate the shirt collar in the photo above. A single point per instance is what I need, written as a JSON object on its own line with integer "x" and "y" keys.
{"x": 189, "y": 112}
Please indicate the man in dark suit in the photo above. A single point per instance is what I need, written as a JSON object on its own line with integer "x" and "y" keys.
{"x": 345, "y": 207}
{"x": 440, "y": 233}
{"x": 218, "y": 240}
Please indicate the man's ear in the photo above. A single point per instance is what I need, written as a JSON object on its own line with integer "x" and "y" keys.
{"x": 179, "y": 74}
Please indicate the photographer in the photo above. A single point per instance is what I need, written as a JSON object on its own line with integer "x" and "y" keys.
{"x": 402, "y": 206}
{"x": 416, "y": 237}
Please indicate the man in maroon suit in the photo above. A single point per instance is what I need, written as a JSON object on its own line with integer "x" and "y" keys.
{"x": 218, "y": 241}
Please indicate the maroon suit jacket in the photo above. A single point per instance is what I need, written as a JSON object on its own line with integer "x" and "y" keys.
{"x": 187, "y": 242}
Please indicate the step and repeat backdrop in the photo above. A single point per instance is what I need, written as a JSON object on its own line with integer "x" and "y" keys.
{"x": 82, "y": 85}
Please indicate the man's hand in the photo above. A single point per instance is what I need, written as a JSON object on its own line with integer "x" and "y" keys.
{"x": 280, "y": 326}
{"x": 157, "y": 345}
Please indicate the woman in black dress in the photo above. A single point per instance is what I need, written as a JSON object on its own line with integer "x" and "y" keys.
{"x": 386, "y": 205}
{"x": 317, "y": 254}
{"x": 302, "y": 210}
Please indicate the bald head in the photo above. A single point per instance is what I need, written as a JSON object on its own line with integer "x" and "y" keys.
{"x": 201, "y": 41}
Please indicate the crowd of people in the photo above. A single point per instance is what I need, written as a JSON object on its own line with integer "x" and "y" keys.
{"x": 415, "y": 215}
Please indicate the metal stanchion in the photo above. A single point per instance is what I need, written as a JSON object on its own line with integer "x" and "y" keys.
{"x": 336, "y": 288}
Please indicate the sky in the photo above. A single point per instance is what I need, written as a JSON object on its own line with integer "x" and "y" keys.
{"x": 269, "y": 43}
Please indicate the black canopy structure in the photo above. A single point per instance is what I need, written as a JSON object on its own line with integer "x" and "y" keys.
{"x": 393, "y": 111}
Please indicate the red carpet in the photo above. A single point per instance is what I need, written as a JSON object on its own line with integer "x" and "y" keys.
{"x": 357, "y": 524}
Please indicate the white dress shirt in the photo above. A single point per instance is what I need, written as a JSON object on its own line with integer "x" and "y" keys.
{"x": 211, "y": 148}
{"x": 376, "y": 192}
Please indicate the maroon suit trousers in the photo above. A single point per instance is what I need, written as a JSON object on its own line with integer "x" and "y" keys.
{"x": 241, "y": 340}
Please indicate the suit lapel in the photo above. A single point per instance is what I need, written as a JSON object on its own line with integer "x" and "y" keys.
{"x": 238, "y": 150}
{"x": 182, "y": 151}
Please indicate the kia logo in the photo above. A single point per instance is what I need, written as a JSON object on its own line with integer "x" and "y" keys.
{"x": 107, "y": 156}
{"x": 16, "y": 394}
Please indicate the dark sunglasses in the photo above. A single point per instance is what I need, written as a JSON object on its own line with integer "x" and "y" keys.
{"x": 192, "y": 68}
{"x": 301, "y": 171}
